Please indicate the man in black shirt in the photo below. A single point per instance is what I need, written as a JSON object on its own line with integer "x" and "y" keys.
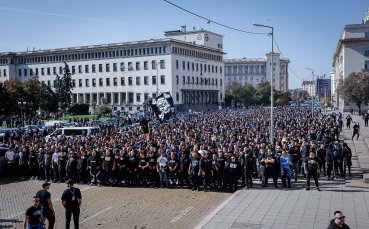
{"x": 33, "y": 217}
{"x": 206, "y": 170}
{"x": 46, "y": 204}
{"x": 72, "y": 200}
{"x": 94, "y": 164}
{"x": 311, "y": 166}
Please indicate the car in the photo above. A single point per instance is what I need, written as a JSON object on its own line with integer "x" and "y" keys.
{"x": 3, "y": 150}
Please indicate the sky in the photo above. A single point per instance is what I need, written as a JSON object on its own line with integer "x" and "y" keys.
{"x": 305, "y": 32}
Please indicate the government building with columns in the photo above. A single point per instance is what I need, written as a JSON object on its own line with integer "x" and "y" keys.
{"x": 188, "y": 64}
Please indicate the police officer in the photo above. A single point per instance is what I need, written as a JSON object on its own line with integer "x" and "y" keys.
{"x": 312, "y": 170}
{"x": 46, "y": 204}
{"x": 71, "y": 200}
{"x": 206, "y": 171}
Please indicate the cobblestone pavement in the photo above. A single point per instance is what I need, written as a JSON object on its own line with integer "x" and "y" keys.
{"x": 296, "y": 208}
{"x": 114, "y": 207}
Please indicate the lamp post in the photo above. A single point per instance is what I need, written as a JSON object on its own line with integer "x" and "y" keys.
{"x": 271, "y": 82}
{"x": 21, "y": 104}
{"x": 312, "y": 92}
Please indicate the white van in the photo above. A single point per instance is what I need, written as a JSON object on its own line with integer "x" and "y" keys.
{"x": 73, "y": 131}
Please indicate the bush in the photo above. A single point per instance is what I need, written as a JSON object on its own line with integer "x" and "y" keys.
{"x": 79, "y": 109}
{"x": 103, "y": 110}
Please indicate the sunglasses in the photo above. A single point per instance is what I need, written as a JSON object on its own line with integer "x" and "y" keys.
{"x": 342, "y": 217}
{"x": 36, "y": 201}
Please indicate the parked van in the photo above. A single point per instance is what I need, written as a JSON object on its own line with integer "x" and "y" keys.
{"x": 73, "y": 131}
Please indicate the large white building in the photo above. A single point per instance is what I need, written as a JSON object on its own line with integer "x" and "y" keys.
{"x": 309, "y": 86}
{"x": 255, "y": 71}
{"x": 352, "y": 55}
{"x": 188, "y": 64}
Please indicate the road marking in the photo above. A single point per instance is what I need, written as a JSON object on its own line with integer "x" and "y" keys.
{"x": 97, "y": 214}
{"x": 181, "y": 214}
{"x": 54, "y": 200}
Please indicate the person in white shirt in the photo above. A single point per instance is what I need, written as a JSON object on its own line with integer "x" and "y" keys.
{"x": 162, "y": 169}
{"x": 9, "y": 158}
{"x": 55, "y": 165}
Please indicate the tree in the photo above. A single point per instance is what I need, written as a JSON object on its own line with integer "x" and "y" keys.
{"x": 4, "y": 99}
{"x": 103, "y": 110}
{"x": 63, "y": 88}
{"x": 15, "y": 92}
{"x": 79, "y": 109}
{"x": 355, "y": 88}
{"x": 281, "y": 98}
{"x": 262, "y": 95}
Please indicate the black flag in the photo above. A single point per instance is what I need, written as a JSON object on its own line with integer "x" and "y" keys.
{"x": 163, "y": 106}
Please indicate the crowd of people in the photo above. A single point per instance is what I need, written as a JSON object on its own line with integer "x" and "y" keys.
{"x": 222, "y": 150}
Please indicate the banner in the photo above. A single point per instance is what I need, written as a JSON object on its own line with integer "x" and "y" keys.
{"x": 163, "y": 106}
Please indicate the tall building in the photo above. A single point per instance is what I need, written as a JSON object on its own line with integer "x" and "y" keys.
{"x": 310, "y": 87}
{"x": 323, "y": 88}
{"x": 255, "y": 71}
{"x": 352, "y": 55}
{"x": 188, "y": 64}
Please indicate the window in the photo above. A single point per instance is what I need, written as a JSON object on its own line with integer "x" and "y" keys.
{"x": 80, "y": 83}
{"x": 153, "y": 80}
{"x": 184, "y": 80}
{"x": 101, "y": 82}
{"x": 162, "y": 64}
{"x": 153, "y": 64}
{"x": 130, "y": 66}
{"x": 162, "y": 79}
{"x": 73, "y": 70}
{"x": 122, "y": 67}
{"x": 130, "y": 81}
{"x": 115, "y": 67}
{"x": 122, "y": 81}
{"x": 36, "y": 71}
{"x": 366, "y": 52}
{"x": 60, "y": 70}
{"x": 42, "y": 71}
{"x": 87, "y": 82}
{"x": 93, "y": 68}
{"x": 79, "y": 68}
{"x": 146, "y": 65}
{"x": 107, "y": 82}
{"x": 138, "y": 97}
{"x": 4, "y": 72}
{"x": 107, "y": 67}
{"x": 146, "y": 96}
{"x": 183, "y": 65}
{"x": 177, "y": 64}
{"x": 115, "y": 81}
{"x": 366, "y": 65}
{"x": 138, "y": 67}
{"x": 146, "y": 80}
{"x": 130, "y": 97}
{"x": 177, "y": 96}
{"x": 30, "y": 72}
{"x": 221, "y": 82}
{"x": 54, "y": 70}
{"x": 86, "y": 69}
{"x": 25, "y": 72}
{"x": 94, "y": 82}
{"x": 177, "y": 79}
{"x": 138, "y": 80}
{"x": 20, "y": 72}
{"x": 220, "y": 69}
{"x": 100, "y": 68}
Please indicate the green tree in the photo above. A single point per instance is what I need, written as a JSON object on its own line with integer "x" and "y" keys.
{"x": 262, "y": 94}
{"x": 15, "y": 92}
{"x": 281, "y": 98}
{"x": 4, "y": 99}
{"x": 355, "y": 88}
{"x": 63, "y": 88}
{"x": 103, "y": 110}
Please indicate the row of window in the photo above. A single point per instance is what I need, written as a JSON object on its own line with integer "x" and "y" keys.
{"x": 250, "y": 78}
{"x": 92, "y": 55}
{"x": 246, "y": 69}
{"x": 131, "y": 66}
{"x": 201, "y": 67}
{"x": 198, "y": 54}
{"x": 4, "y": 73}
{"x": 198, "y": 80}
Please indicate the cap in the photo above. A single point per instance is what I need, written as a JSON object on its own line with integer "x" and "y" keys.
{"x": 46, "y": 183}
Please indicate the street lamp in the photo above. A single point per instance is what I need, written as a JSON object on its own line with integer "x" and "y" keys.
{"x": 312, "y": 92}
{"x": 22, "y": 104}
{"x": 271, "y": 82}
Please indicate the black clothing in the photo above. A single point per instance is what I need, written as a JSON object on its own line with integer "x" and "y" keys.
{"x": 333, "y": 225}
{"x": 34, "y": 215}
{"x": 44, "y": 195}
{"x": 72, "y": 196}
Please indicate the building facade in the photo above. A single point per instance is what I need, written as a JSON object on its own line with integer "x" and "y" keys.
{"x": 352, "y": 55}
{"x": 255, "y": 71}
{"x": 124, "y": 75}
{"x": 323, "y": 88}
{"x": 309, "y": 86}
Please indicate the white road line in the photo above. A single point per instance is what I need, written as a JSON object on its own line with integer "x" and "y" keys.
{"x": 181, "y": 214}
{"x": 216, "y": 210}
{"x": 95, "y": 215}
{"x": 54, "y": 200}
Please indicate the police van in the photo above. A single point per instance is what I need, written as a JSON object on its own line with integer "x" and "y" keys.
{"x": 73, "y": 131}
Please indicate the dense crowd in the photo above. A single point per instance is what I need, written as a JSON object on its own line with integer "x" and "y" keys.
{"x": 222, "y": 150}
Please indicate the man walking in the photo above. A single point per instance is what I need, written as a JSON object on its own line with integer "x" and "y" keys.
{"x": 338, "y": 221}
{"x": 72, "y": 200}
{"x": 33, "y": 217}
{"x": 356, "y": 131}
{"x": 46, "y": 204}
{"x": 311, "y": 170}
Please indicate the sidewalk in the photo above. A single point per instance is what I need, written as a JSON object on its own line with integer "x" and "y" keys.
{"x": 296, "y": 208}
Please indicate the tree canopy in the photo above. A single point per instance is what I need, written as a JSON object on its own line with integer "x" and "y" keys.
{"x": 355, "y": 88}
